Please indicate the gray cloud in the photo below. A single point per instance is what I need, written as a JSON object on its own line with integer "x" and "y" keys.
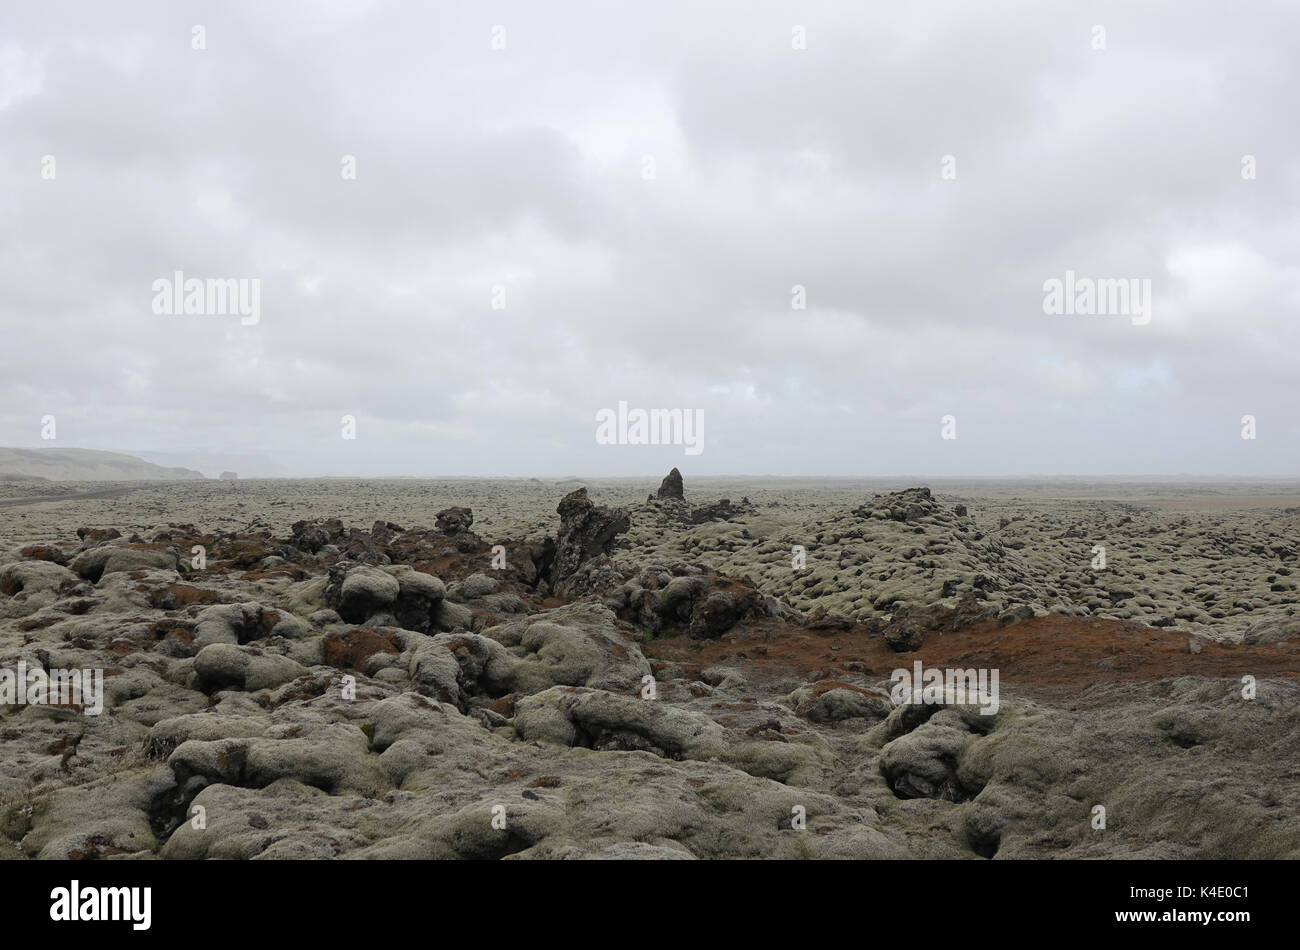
{"x": 775, "y": 167}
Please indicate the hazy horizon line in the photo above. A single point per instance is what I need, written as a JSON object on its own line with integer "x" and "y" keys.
{"x": 658, "y": 476}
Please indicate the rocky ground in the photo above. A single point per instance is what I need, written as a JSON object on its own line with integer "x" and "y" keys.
{"x": 541, "y": 669}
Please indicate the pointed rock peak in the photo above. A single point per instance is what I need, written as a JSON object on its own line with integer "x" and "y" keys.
{"x": 671, "y": 486}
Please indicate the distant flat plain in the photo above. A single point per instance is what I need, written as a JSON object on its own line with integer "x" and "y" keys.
{"x": 1208, "y": 556}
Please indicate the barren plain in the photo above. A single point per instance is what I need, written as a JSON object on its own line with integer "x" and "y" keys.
{"x": 617, "y": 668}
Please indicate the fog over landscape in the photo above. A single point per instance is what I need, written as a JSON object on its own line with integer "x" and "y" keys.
{"x": 617, "y": 204}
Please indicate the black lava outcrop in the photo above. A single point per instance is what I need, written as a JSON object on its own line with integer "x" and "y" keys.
{"x": 908, "y": 628}
{"x": 454, "y": 520}
{"x": 670, "y": 489}
{"x": 587, "y": 530}
{"x": 911, "y": 504}
{"x": 721, "y": 510}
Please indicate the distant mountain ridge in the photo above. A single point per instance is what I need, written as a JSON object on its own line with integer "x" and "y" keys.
{"x": 85, "y": 465}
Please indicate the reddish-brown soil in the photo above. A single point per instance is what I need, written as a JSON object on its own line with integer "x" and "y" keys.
{"x": 180, "y": 596}
{"x": 350, "y": 650}
{"x": 1049, "y": 658}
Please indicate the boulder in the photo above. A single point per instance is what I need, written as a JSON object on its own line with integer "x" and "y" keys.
{"x": 44, "y": 552}
{"x": 924, "y": 763}
{"x": 586, "y": 531}
{"x": 609, "y": 721}
{"x": 93, "y": 536}
{"x": 575, "y": 645}
{"x": 722, "y": 510}
{"x": 357, "y": 591}
{"x": 419, "y": 598}
{"x": 908, "y": 627}
{"x": 226, "y": 666}
{"x": 704, "y": 605}
{"x": 908, "y": 506}
{"x": 454, "y": 520}
{"x": 670, "y": 489}
{"x": 311, "y": 536}
{"x": 478, "y": 585}
{"x": 33, "y": 576}
{"x": 244, "y": 622}
{"x": 131, "y": 559}
{"x": 333, "y": 758}
{"x": 830, "y": 701}
{"x": 452, "y": 616}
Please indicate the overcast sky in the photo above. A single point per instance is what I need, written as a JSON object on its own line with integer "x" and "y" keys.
{"x": 525, "y": 168}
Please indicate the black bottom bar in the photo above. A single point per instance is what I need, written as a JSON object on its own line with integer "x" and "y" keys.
{"x": 337, "y": 900}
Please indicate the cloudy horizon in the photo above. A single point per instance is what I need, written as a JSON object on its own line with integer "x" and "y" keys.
{"x": 826, "y": 233}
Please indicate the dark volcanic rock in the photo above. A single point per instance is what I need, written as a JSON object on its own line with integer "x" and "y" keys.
{"x": 907, "y": 505}
{"x": 678, "y": 599}
{"x": 587, "y": 530}
{"x": 311, "y": 536}
{"x": 906, "y": 630}
{"x": 671, "y": 487}
{"x": 454, "y": 520}
{"x": 365, "y": 547}
{"x": 722, "y": 510}
{"x": 359, "y": 592}
{"x": 382, "y": 533}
